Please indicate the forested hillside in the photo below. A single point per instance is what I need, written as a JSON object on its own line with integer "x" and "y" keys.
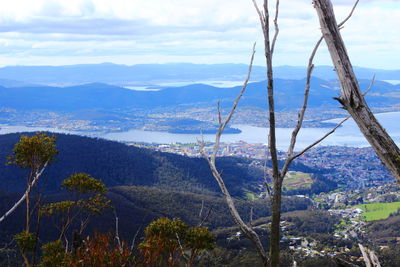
{"x": 117, "y": 164}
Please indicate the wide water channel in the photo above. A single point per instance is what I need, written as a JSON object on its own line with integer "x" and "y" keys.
{"x": 347, "y": 135}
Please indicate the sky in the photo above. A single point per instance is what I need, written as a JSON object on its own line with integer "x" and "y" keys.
{"x": 65, "y": 32}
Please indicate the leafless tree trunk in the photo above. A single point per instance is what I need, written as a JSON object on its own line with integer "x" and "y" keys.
{"x": 351, "y": 97}
{"x": 278, "y": 175}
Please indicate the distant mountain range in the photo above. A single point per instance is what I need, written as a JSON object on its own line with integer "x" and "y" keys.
{"x": 150, "y": 74}
{"x": 289, "y": 95}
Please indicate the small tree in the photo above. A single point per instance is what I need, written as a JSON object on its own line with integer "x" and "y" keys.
{"x": 88, "y": 198}
{"x": 33, "y": 153}
{"x": 166, "y": 241}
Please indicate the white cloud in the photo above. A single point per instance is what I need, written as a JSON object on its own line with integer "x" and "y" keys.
{"x": 90, "y": 31}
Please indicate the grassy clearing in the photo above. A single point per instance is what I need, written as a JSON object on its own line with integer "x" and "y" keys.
{"x": 295, "y": 180}
{"x": 379, "y": 211}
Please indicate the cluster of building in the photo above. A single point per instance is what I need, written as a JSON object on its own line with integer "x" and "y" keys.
{"x": 238, "y": 149}
{"x": 349, "y": 166}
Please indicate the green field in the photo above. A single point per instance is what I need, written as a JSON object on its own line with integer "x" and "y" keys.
{"x": 379, "y": 211}
{"x": 295, "y": 180}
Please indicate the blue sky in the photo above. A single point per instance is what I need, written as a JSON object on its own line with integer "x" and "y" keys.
{"x": 63, "y": 32}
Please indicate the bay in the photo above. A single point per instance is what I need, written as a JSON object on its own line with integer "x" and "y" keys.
{"x": 347, "y": 135}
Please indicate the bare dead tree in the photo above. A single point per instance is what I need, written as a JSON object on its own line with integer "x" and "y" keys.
{"x": 351, "y": 98}
{"x": 278, "y": 175}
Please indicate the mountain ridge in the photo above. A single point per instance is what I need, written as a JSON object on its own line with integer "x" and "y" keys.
{"x": 151, "y": 74}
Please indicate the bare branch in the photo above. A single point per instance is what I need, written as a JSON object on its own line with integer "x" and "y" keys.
{"x": 302, "y": 111}
{"x": 276, "y": 27}
{"x": 117, "y": 231}
{"x": 206, "y": 217}
{"x": 19, "y": 202}
{"x": 320, "y": 140}
{"x": 350, "y": 14}
{"x": 229, "y": 117}
{"x": 371, "y": 84}
{"x": 201, "y": 209}
{"x": 137, "y": 232}
{"x": 331, "y": 131}
{"x": 217, "y": 175}
{"x": 260, "y": 15}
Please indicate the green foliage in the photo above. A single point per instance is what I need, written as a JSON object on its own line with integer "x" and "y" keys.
{"x": 53, "y": 255}
{"x": 95, "y": 204}
{"x": 165, "y": 228}
{"x": 26, "y": 241}
{"x": 34, "y": 151}
{"x": 91, "y": 200}
{"x": 57, "y": 207}
{"x": 199, "y": 238}
{"x": 166, "y": 240}
{"x": 310, "y": 222}
{"x": 83, "y": 183}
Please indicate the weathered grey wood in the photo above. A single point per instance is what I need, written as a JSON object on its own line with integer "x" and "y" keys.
{"x": 351, "y": 97}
